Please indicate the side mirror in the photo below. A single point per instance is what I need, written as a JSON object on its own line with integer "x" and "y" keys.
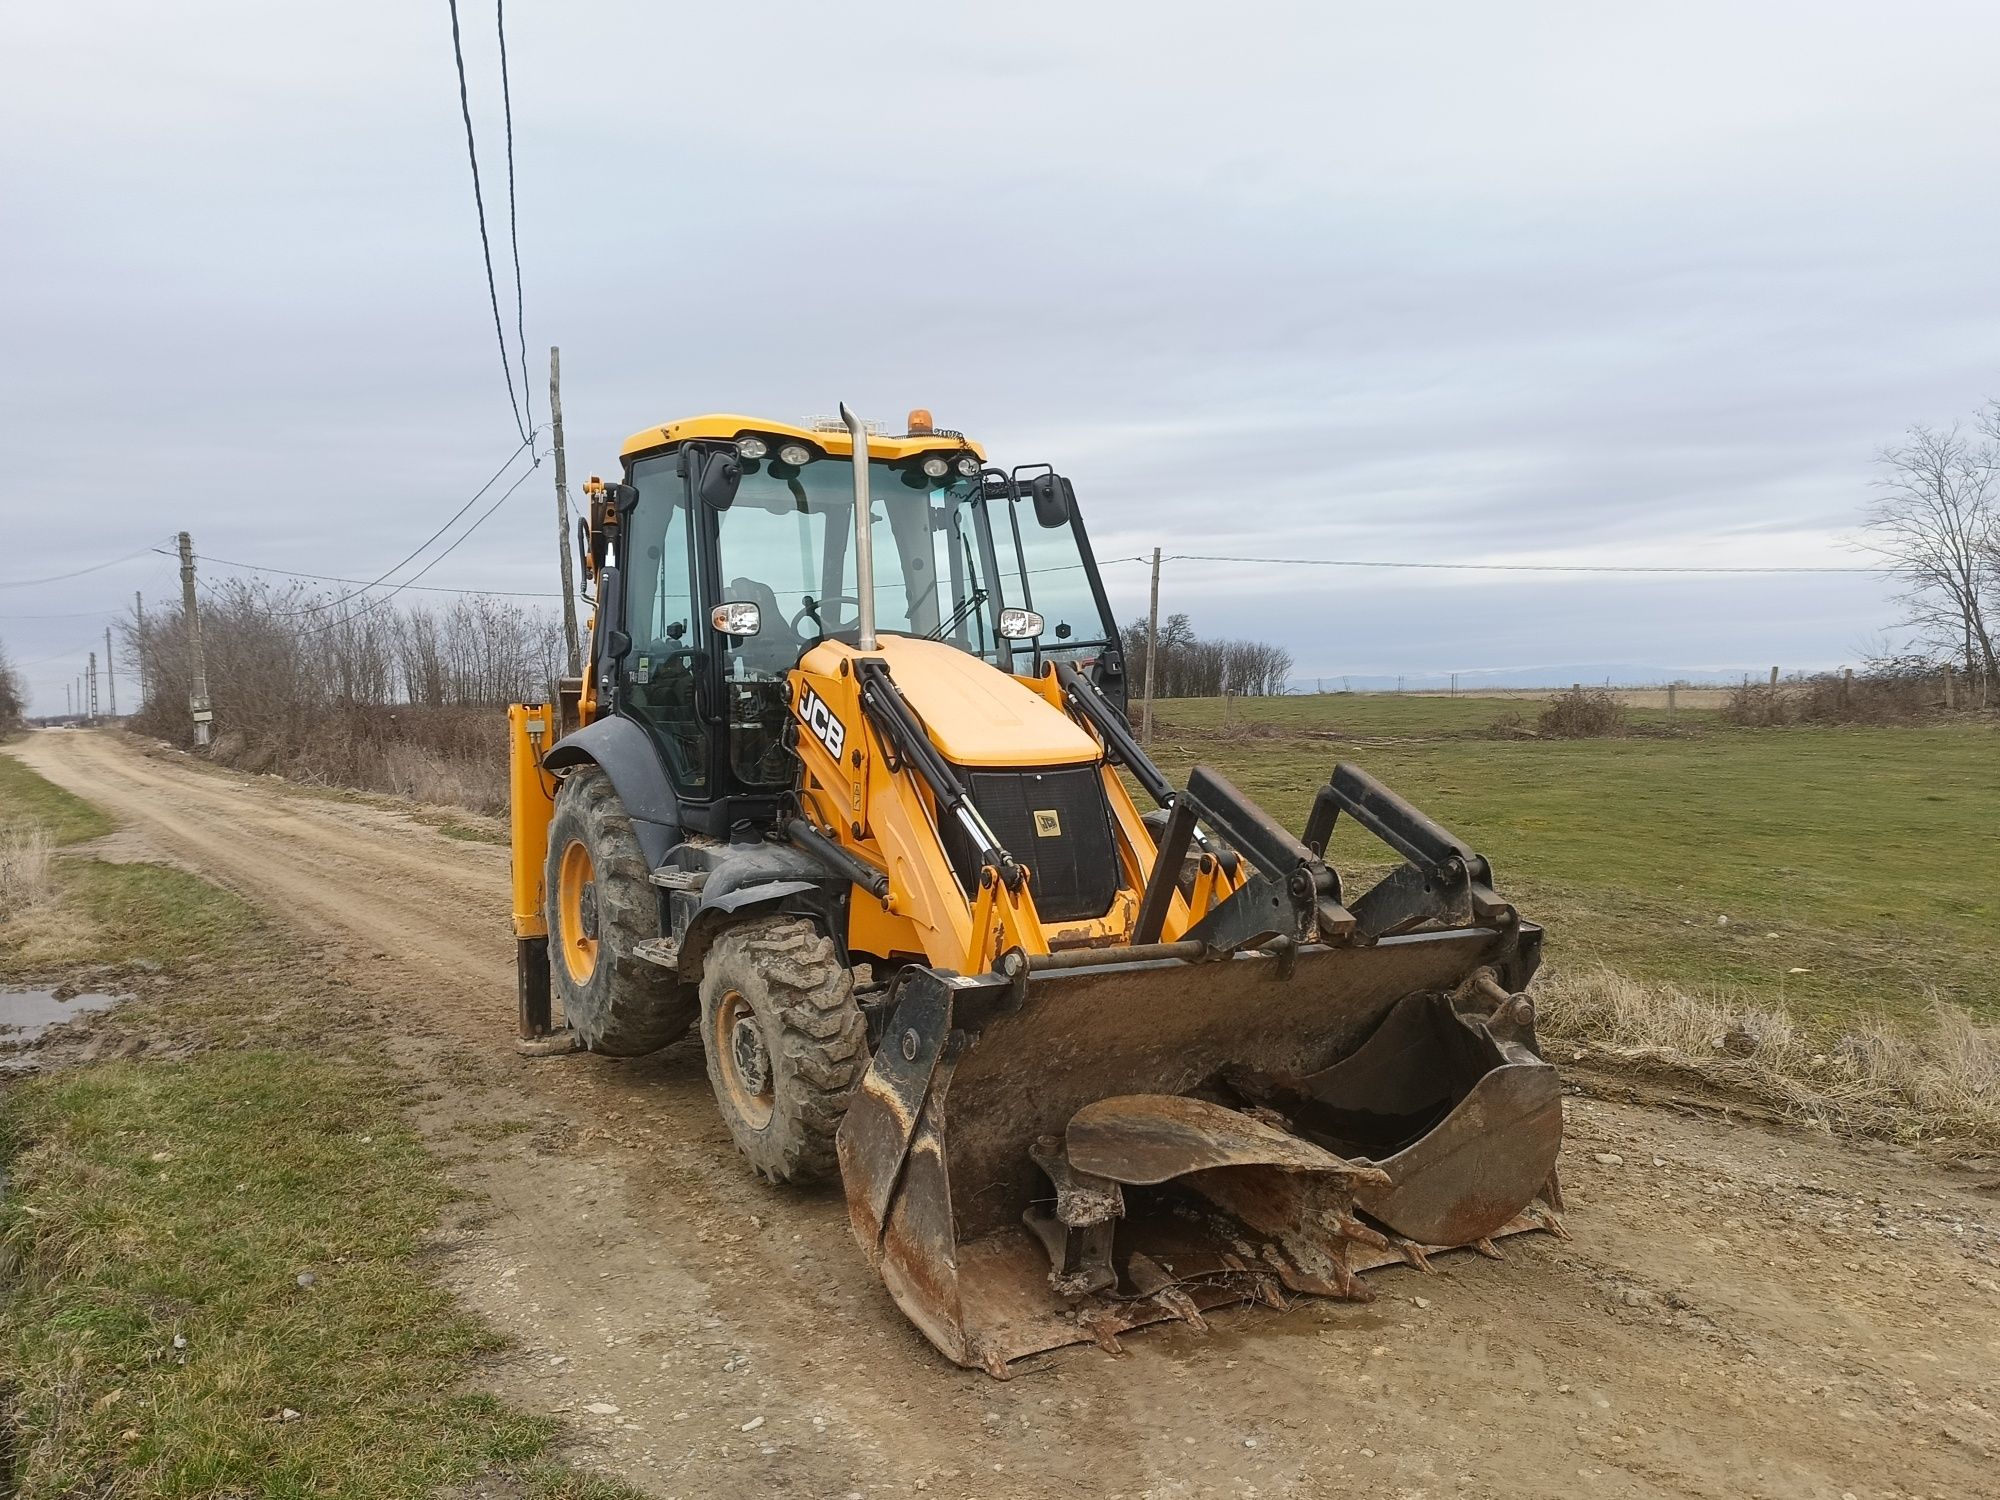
{"x": 1055, "y": 500}
{"x": 1021, "y": 624}
{"x": 719, "y": 478}
{"x": 739, "y": 618}
{"x": 617, "y": 645}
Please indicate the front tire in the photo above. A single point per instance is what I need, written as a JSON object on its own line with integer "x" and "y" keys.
{"x": 785, "y": 1042}
{"x": 601, "y": 906}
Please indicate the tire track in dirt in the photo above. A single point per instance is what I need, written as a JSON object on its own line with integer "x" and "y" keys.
{"x": 1743, "y": 1311}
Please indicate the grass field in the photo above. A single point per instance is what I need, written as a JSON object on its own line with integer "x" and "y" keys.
{"x": 214, "y": 1273}
{"x": 1867, "y": 858}
{"x": 28, "y": 801}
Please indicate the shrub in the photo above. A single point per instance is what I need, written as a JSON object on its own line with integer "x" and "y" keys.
{"x": 1756, "y": 706}
{"x": 1901, "y": 692}
{"x": 1582, "y": 714}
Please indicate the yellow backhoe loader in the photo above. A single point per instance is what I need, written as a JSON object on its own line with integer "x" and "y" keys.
{"x": 848, "y": 786}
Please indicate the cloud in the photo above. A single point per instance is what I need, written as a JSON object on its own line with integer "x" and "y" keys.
{"x": 1554, "y": 282}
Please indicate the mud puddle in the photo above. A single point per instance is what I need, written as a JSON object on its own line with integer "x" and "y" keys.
{"x": 27, "y": 1016}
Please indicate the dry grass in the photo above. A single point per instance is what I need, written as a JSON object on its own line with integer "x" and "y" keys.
{"x": 425, "y": 775}
{"x": 1582, "y": 714}
{"x": 1940, "y": 1078}
{"x": 27, "y": 871}
{"x": 448, "y": 757}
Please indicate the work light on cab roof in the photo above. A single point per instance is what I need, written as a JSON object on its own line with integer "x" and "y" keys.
{"x": 847, "y": 787}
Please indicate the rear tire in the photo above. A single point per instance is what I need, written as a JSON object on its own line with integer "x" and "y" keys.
{"x": 785, "y": 1042}
{"x": 601, "y": 906}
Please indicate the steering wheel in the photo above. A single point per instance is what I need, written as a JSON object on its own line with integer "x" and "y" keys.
{"x": 811, "y": 608}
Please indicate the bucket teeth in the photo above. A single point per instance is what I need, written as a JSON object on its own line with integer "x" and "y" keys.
{"x": 1181, "y": 1305}
{"x": 1412, "y": 1253}
{"x": 1103, "y": 1326}
{"x": 1350, "y": 1228}
{"x": 1549, "y": 1219}
{"x": 1552, "y": 1191}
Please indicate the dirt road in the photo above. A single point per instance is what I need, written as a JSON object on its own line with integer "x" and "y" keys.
{"x": 1742, "y": 1312}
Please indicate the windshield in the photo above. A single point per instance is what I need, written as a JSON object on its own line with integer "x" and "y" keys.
{"x": 787, "y": 545}
{"x": 949, "y": 553}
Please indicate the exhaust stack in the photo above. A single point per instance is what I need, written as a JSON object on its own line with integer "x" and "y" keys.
{"x": 864, "y": 551}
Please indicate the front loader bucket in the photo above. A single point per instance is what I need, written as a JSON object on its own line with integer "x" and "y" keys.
{"x": 1063, "y": 1155}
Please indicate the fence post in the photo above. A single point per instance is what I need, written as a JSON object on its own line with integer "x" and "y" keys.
{"x": 1673, "y": 709}
{"x": 1949, "y": 695}
{"x": 1846, "y": 688}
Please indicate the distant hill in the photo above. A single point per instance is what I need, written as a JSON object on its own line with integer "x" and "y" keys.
{"x": 1615, "y": 674}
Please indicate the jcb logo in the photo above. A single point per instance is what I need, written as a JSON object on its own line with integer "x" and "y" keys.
{"x": 821, "y": 720}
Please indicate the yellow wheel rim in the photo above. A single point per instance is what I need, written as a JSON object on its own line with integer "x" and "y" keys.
{"x": 736, "y": 1041}
{"x": 576, "y": 912}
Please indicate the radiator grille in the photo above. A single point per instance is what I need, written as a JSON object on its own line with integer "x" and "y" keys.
{"x": 1058, "y": 824}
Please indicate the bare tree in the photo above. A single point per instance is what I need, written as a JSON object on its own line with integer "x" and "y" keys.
{"x": 1937, "y": 523}
{"x": 13, "y": 695}
{"x": 1186, "y": 666}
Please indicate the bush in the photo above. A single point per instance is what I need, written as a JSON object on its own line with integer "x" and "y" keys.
{"x": 407, "y": 700}
{"x": 455, "y": 756}
{"x": 1889, "y": 693}
{"x": 1582, "y": 714}
{"x": 1755, "y": 706}
{"x": 13, "y": 696}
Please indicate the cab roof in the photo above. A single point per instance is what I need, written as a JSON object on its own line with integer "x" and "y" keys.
{"x": 834, "y": 442}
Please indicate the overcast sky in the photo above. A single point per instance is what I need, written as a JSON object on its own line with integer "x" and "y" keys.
{"x": 1580, "y": 283}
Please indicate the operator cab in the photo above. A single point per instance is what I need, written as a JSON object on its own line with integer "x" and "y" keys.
{"x": 729, "y": 551}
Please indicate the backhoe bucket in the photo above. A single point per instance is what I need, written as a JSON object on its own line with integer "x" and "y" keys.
{"x": 1069, "y": 1153}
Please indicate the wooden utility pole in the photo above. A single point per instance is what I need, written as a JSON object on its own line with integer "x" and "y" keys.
{"x": 575, "y": 657}
{"x": 1152, "y": 653}
{"x": 110, "y": 677}
{"x": 198, "y": 706}
{"x": 69, "y": 703}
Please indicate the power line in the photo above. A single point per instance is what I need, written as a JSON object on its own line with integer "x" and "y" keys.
{"x": 377, "y": 603}
{"x": 22, "y": 583}
{"x": 513, "y": 225}
{"x": 448, "y": 520}
{"x": 408, "y": 557}
{"x": 485, "y": 245}
{"x": 80, "y": 614}
{"x": 422, "y": 588}
{"x": 59, "y": 655}
{"x": 1342, "y": 562}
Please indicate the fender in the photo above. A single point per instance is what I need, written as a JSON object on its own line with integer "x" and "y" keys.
{"x": 628, "y": 756}
{"x": 750, "y": 880}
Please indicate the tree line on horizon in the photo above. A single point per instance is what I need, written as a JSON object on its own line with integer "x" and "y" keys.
{"x": 1186, "y": 666}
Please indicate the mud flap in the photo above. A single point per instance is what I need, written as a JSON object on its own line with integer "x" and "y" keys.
{"x": 995, "y": 1161}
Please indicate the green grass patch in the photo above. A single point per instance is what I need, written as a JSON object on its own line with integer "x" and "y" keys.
{"x": 1873, "y": 854}
{"x": 472, "y": 834}
{"x": 27, "y": 800}
{"x": 159, "y": 1217}
{"x": 121, "y": 914}
{"x": 156, "y": 912}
